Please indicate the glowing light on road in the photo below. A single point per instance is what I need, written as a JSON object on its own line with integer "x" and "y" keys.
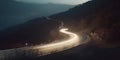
{"x": 40, "y": 50}
{"x": 72, "y": 41}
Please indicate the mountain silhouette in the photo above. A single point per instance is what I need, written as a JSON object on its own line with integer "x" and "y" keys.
{"x": 13, "y": 12}
{"x": 83, "y": 17}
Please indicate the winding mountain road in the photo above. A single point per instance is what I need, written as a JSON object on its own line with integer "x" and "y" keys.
{"x": 73, "y": 40}
{"x": 40, "y": 50}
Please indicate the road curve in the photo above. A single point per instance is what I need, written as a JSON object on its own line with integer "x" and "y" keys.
{"x": 72, "y": 41}
{"x": 40, "y": 50}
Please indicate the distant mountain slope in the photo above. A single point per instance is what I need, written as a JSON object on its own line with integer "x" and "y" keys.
{"x": 90, "y": 14}
{"x": 12, "y": 12}
{"x": 80, "y": 18}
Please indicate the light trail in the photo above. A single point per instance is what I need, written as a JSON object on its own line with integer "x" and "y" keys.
{"x": 72, "y": 41}
{"x": 40, "y": 50}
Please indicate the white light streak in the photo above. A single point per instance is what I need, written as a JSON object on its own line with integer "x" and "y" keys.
{"x": 72, "y": 41}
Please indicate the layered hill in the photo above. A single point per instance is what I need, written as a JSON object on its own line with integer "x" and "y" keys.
{"x": 85, "y": 17}
{"x": 15, "y": 12}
